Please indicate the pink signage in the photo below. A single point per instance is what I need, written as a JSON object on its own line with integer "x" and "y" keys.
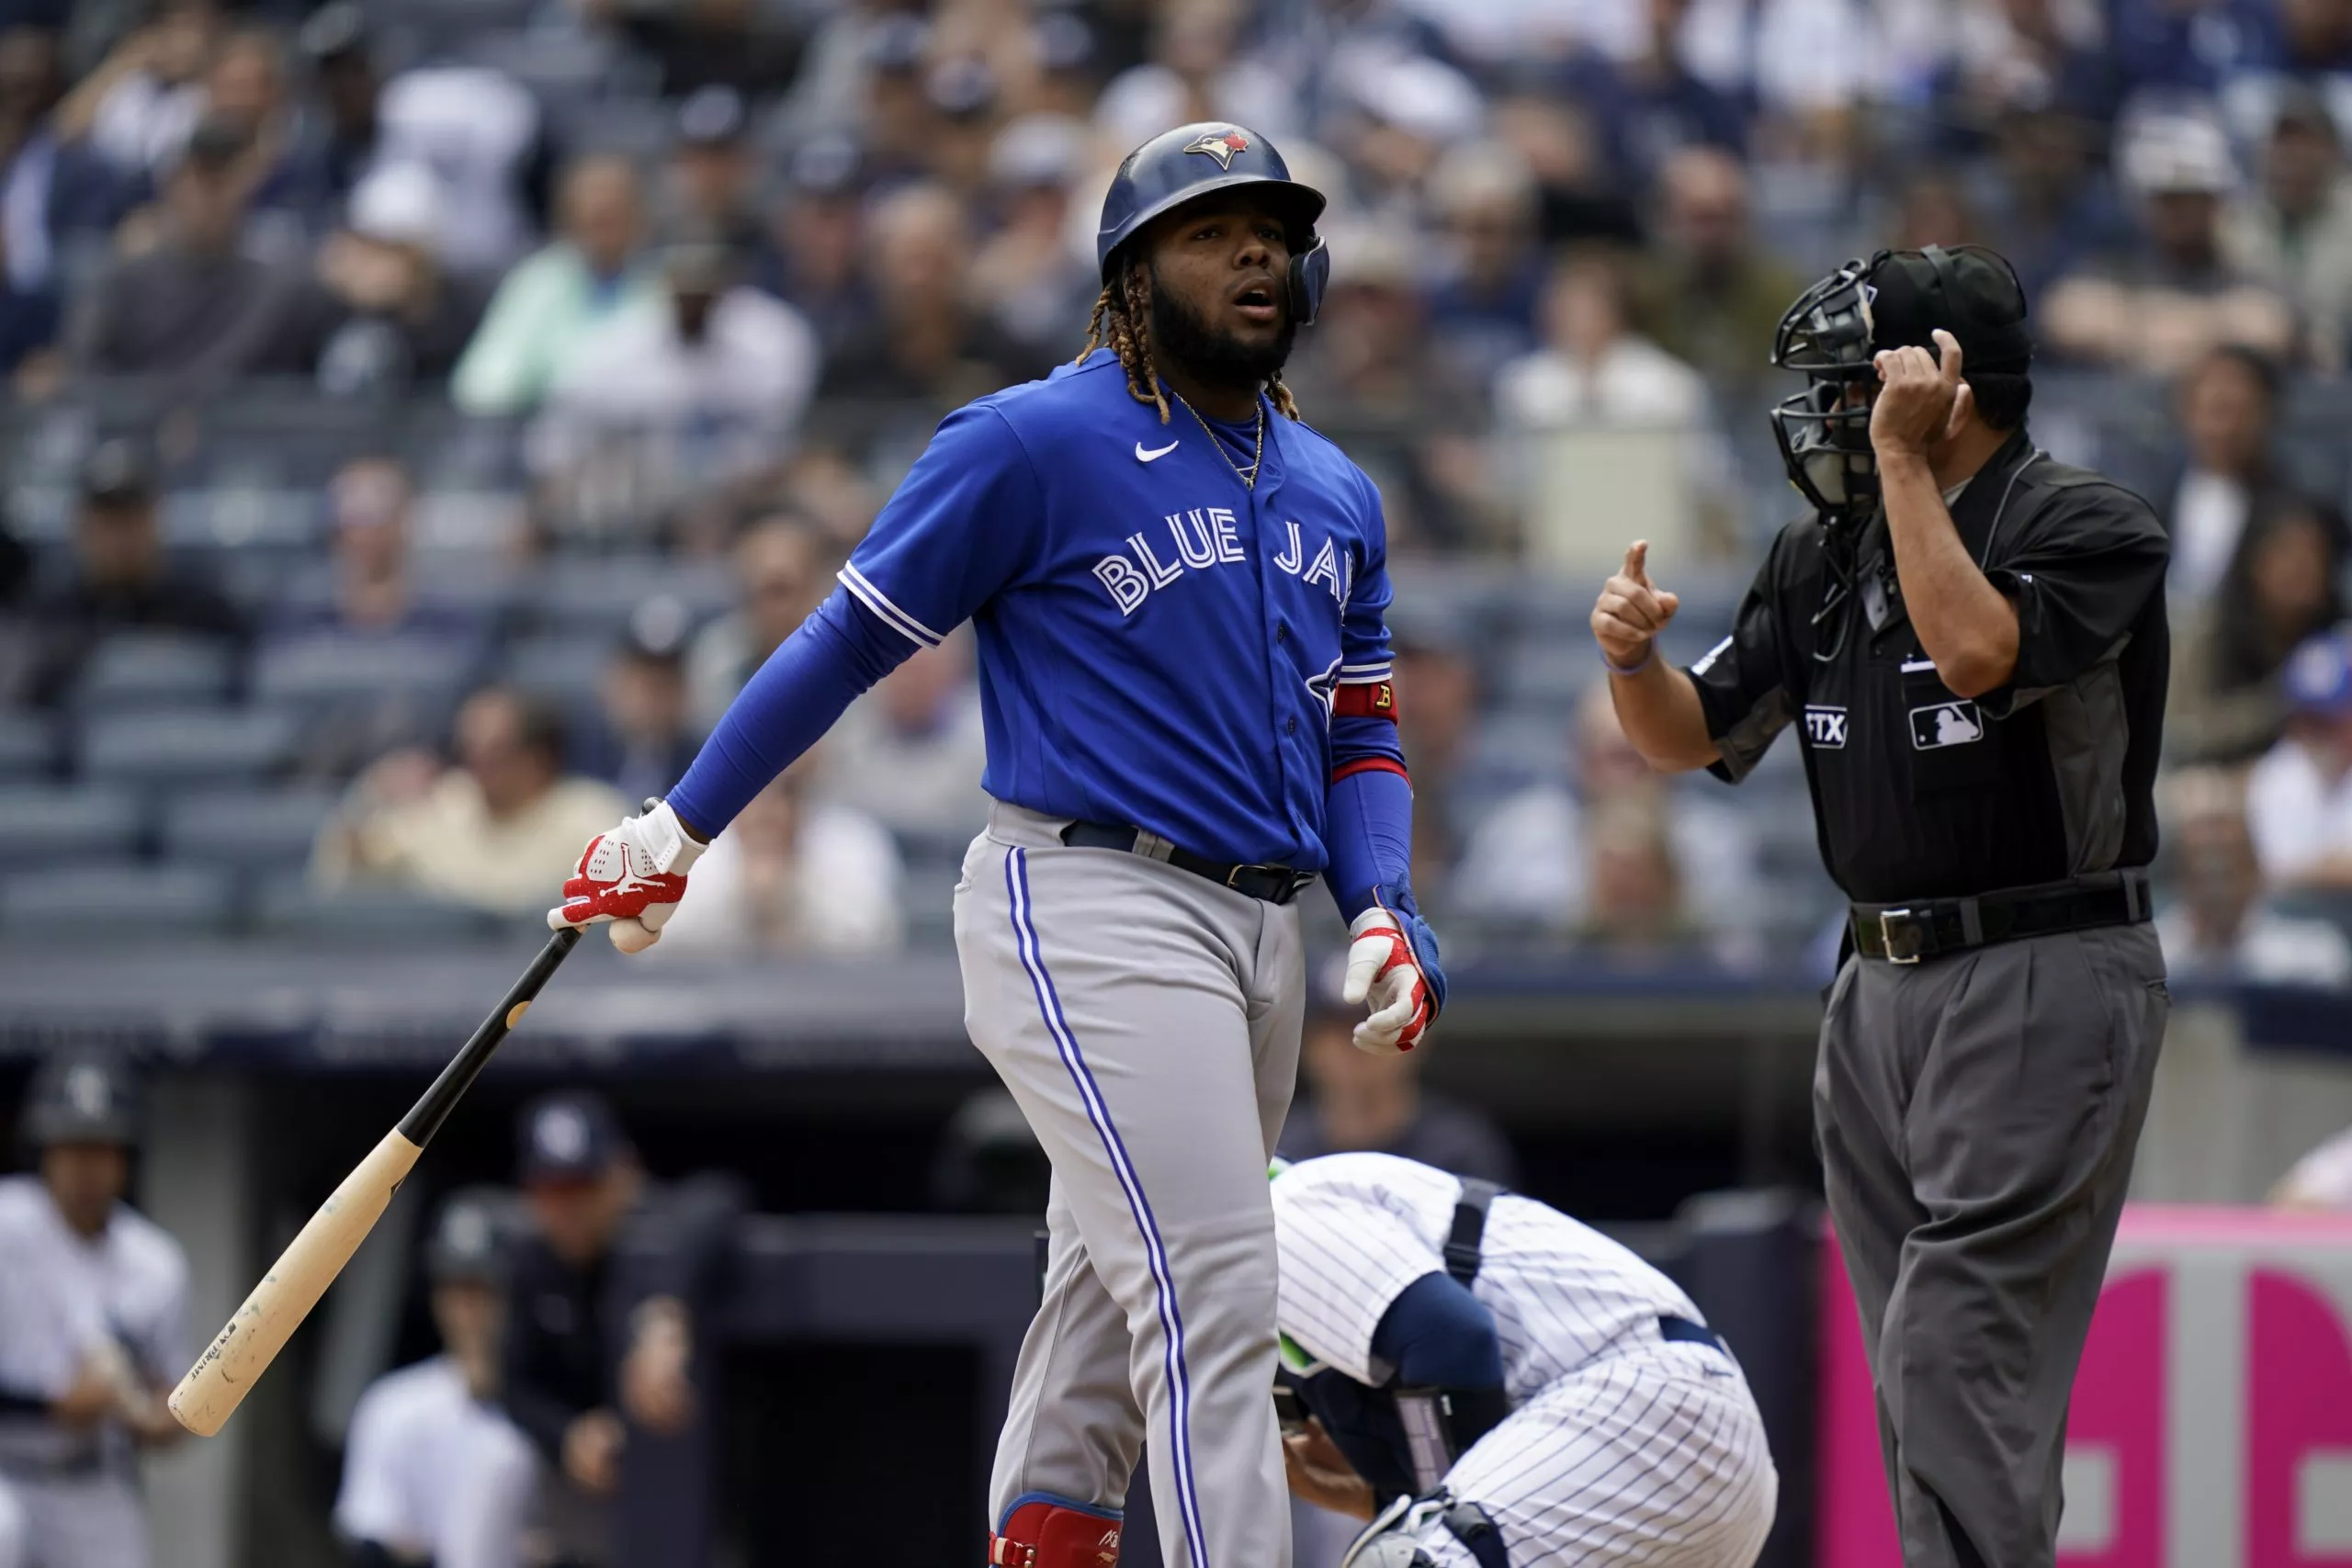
{"x": 2212, "y": 1425}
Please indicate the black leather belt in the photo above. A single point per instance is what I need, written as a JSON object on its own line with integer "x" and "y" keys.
{"x": 1275, "y": 884}
{"x": 1905, "y": 933}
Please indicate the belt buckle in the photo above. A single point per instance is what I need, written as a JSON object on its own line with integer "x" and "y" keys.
{"x": 1233, "y": 875}
{"x": 1886, "y": 935}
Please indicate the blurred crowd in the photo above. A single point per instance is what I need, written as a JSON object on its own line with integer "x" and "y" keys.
{"x": 684, "y": 283}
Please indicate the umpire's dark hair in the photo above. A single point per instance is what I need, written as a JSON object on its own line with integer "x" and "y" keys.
{"x": 2001, "y": 397}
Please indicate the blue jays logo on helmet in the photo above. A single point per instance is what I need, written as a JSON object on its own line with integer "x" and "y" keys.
{"x": 1194, "y": 161}
{"x": 1221, "y": 144}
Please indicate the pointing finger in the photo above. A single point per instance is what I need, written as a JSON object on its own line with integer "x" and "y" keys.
{"x": 1638, "y": 561}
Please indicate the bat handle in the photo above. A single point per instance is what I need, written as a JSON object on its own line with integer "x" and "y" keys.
{"x": 432, "y": 1108}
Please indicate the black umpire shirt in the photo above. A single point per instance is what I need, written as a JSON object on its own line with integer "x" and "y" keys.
{"x": 1917, "y": 792}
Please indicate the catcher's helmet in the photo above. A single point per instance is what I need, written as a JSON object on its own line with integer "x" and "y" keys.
{"x": 1194, "y": 161}
{"x": 82, "y": 1097}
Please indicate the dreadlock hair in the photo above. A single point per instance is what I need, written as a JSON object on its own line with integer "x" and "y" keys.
{"x": 1122, "y": 322}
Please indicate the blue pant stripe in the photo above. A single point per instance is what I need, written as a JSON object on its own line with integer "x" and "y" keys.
{"x": 1171, "y": 1318}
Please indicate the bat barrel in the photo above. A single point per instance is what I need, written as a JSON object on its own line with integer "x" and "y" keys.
{"x": 252, "y": 1338}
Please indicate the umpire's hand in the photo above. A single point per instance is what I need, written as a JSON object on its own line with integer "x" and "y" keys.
{"x": 1632, "y": 612}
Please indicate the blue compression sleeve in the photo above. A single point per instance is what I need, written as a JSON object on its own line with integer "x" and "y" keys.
{"x": 1368, "y": 827}
{"x": 785, "y": 708}
{"x": 1437, "y": 1335}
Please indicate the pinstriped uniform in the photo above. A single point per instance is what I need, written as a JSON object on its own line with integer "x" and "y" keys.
{"x": 63, "y": 1299}
{"x": 1620, "y": 1448}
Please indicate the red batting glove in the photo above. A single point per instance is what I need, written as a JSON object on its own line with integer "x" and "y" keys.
{"x": 1384, "y": 973}
{"x": 631, "y": 878}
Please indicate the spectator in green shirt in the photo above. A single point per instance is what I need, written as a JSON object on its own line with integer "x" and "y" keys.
{"x": 546, "y": 308}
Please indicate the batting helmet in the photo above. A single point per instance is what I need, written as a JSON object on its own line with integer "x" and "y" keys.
{"x": 82, "y": 1097}
{"x": 1198, "y": 160}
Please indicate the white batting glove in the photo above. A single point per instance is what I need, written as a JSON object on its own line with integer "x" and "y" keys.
{"x": 1385, "y": 974}
{"x": 632, "y": 877}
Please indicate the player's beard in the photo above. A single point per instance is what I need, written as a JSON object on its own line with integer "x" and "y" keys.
{"x": 1181, "y": 336}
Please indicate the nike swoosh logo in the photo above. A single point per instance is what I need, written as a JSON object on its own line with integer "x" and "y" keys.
{"x": 1144, "y": 457}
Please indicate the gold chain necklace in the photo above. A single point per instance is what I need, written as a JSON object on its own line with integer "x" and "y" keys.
{"x": 1258, "y": 453}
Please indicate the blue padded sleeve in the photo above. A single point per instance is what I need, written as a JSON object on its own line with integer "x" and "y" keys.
{"x": 1368, "y": 832}
{"x": 785, "y": 708}
{"x": 1437, "y": 1335}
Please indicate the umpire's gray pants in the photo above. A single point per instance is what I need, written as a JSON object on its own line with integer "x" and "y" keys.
{"x": 1977, "y": 1116}
{"x": 1147, "y": 1022}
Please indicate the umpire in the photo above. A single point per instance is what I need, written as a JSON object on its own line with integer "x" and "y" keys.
{"x": 1972, "y": 639}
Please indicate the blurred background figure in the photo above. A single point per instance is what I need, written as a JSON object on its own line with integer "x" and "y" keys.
{"x": 926, "y": 340}
{"x": 384, "y": 314}
{"x": 1354, "y": 1100}
{"x": 799, "y": 872}
{"x": 433, "y": 1470}
{"x": 487, "y": 832}
{"x": 2174, "y": 293}
{"x": 609, "y": 1315}
{"x": 2299, "y": 796}
{"x": 2221, "y": 924}
{"x": 2228, "y": 411}
{"x": 551, "y": 302}
{"x": 1594, "y": 859}
{"x": 783, "y": 570}
{"x": 196, "y": 302}
{"x": 371, "y": 585}
{"x": 122, "y": 580}
{"x": 647, "y": 734}
{"x": 93, "y": 1321}
{"x": 2285, "y": 584}
{"x": 2293, "y": 229}
{"x": 909, "y": 754}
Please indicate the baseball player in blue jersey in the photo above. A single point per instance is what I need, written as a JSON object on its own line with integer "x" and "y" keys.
{"x": 1178, "y": 592}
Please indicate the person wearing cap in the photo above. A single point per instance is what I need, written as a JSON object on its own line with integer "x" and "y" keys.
{"x": 647, "y": 734}
{"x": 808, "y": 257}
{"x": 1029, "y": 278}
{"x": 1970, "y": 640}
{"x": 710, "y": 180}
{"x": 93, "y": 1322}
{"x": 610, "y": 1293}
{"x": 433, "y": 1470}
{"x": 381, "y": 315}
{"x": 197, "y": 305}
{"x": 2299, "y": 796}
{"x": 122, "y": 581}
{"x": 1179, "y": 594}
{"x": 2173, "y": 292}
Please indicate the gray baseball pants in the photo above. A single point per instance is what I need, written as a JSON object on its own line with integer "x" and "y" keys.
{"x": 1977, "y": 1115}
{"x": 1147, "y": 1021}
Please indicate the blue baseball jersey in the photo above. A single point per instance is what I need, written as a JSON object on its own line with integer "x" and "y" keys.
{"x": 1159, "y": 644}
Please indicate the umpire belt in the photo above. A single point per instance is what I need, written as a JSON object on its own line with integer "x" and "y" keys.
{"x": 1275, "y": 884}
{"x": 1906, "y": 933}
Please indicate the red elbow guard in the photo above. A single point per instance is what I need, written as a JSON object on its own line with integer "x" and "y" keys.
{"x": 1046, "y": 1532}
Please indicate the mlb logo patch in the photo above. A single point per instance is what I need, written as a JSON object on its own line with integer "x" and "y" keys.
{"x": 1825, "y": 727}
{"x": 1945, "y": 724}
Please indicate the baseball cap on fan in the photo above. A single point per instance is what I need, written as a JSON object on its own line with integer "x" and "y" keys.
{"x": 566, "y": 1137}
{"x": 2318, "y": 677}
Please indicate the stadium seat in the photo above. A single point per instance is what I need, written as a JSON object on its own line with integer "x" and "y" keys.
{"x": 28, "y": 744}
{"x": 290, "y": 906}
{"x": 53, "y": 825}
{"x": 153, "y": 670}
{"x": 597, "y": 594}
{"x": 245, "y": 830}
{"x": 565, "y": 666}
{"x": 331, "y": 668}
{"x": 189, "y": 746}
{"x": 103, "y": 900}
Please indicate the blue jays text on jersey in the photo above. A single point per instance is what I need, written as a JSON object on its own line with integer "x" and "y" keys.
{"x": 1160, "y": 645}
